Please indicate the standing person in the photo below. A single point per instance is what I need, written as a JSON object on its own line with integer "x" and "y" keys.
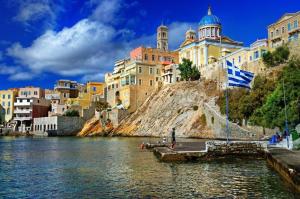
{"x": 173, "y": 138}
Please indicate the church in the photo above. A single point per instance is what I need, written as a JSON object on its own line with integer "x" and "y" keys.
{"x": 209, "y": 45}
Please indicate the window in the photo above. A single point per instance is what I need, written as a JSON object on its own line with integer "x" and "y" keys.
{"x": 250, "y": 58}
{"x": 8, "y": 96}
{"x": 117, "y": 85}
{"x": 146, "y": 57}
{"x": 35, "y": 92}
{"x": 8, "y": 104}
{"x": 112, "y": 86}
{"x": 157, "y": 71}
{"x": 153, "y": 57}
{"x": 3, "y": 104}
{"x": 94, "y": 88}
{"x": 3, "y": 96}
{"x": 282, "y": 29}
{"x": 150, "y": 70}
{"x": 140, "y": 69}
{"x": 256, "y": 54}
{"x": 289, "y": 26}
{"x": 140, "y": 82}
{"x": 157, "y": 79}
{"x": 272, "y": 35}
{"x": 151, "y": 82}
{"x": 188, "y": 55}
{"x": 295, "y": 24}
{"x": 277, "y": 32}
{"x": 240, "y": 59}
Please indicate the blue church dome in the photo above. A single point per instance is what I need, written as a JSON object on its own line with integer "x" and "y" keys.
{"x": 209, "y": 19}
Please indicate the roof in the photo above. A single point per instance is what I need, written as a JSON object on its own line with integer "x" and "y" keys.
{"x": 166, "y": 63}
{"x": 210, "y": 19}
{"x": 284, "y": 17}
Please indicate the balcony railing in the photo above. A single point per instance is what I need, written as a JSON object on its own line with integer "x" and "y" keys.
{"x": 64, "y": 87}
{"x": 22, "y": 118}
{"x": 28, "y": 111}
{"x": 22, "y": 103}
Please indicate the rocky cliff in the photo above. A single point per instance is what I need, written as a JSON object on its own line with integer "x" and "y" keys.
{"x": 179, "y": 105}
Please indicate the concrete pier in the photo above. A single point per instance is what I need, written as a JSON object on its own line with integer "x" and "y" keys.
{"x": 285, "y": 162}
{"x": 207, "y": 150}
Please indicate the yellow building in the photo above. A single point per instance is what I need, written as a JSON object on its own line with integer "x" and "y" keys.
{"x": 136, "y": 78}
{"x": 85, "y": 97}
{"x": 209, "y": 45}
{"x": 7, "y": 99}
{"x": 250, "y": 58}
{"x": 285, "y": 30}
{"x": 132, "y": 84}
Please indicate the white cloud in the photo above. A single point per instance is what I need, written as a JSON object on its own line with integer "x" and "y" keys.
{"x": 30, "y": 11}
{"x": 87, "y": 49}
{"x": 84, "y": 48}
{"x": 8, "y": 70}
{"x": 92, "y": 77}
{"x": 106, "y": 10}
{"x": 21, "y": 76}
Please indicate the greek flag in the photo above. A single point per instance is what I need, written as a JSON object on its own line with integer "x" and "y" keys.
{"x": 237, "y": 77}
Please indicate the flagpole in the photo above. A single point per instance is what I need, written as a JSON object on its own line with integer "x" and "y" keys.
{"x": 285, "y": 112}
{"x": 227, "y": 105}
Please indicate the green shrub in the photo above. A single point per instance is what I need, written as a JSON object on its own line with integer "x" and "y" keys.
{"x": 71, "y": 113}
{"x": 188, "y": 71}
{"x": 279, "y": 56}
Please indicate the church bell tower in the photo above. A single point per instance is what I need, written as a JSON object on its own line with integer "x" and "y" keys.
{"x": 162, "y": 38}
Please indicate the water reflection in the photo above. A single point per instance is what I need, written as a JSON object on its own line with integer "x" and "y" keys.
{"x": 117, "y": 168}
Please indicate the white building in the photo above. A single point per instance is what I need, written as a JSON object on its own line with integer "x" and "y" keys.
{"x": 28, "y": 108}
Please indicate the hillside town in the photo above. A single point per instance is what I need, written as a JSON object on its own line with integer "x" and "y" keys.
{"x": 207, "y": 112}
{"x": 136, "y": 77}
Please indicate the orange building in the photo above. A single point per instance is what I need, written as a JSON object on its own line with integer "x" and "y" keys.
{"x": 153, "y": 55}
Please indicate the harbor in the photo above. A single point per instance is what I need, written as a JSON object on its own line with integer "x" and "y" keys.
{"x": 285, "y": 162}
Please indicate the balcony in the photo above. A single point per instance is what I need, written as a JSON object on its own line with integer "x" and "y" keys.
{"x": 64, "y": 87}
{"x": 20, "y": 111}
{"x": 22, "y": 103}
{"x": 22, "y": 118}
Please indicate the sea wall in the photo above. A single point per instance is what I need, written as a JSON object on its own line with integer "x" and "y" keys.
{"x": 223, "y": 148}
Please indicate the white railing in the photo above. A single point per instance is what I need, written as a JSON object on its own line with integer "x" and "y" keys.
{"x": 22, "y": 103}
{"x": 22, "y": 118}
{"x": 22, "y": 111}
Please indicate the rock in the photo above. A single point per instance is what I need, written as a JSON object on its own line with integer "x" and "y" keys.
{"x": 173, "y": 106}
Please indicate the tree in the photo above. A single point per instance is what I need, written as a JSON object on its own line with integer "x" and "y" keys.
{"x": 279, "y": 56}
{"x": 268, "y": 59}
{"x": 101, "y": 105}
{"x": 272, "y": 112}
{"x": 72, "y": 113}
{"x": 188, "y": 72}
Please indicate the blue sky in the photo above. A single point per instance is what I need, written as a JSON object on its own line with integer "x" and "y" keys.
{"x": 45, "y": 40}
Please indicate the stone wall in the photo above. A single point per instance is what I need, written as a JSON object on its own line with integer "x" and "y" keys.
{"x": 58, "y": 125}
{"x": 221, "y": 148}
{"x": 217, "y": 123}
{"x": 69, "y": 125}
{"x": 117, "y": 115}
